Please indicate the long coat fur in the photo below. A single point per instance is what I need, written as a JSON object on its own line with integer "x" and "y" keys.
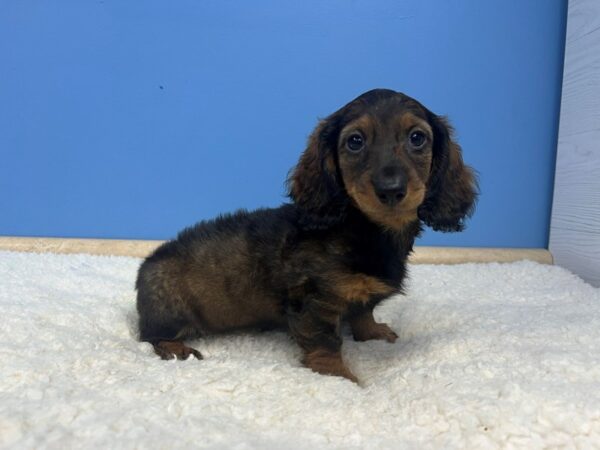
{"x": 373, "y": 174}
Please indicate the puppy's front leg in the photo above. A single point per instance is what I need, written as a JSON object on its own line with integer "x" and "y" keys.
{"x": 356, "y": 289}
{"x": 327, "y": 362}
{"x": 316, "y": 328}
{"x": 365, "y": 328}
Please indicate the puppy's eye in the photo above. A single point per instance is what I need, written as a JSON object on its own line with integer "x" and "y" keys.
{"x": 417, "y": 139}
{"x": 355, "y": 143}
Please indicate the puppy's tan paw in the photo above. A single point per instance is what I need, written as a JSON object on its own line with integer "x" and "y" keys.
{"x": 379, "y": 331}
{"x": 328, "y": 363}
{"x": 175, "y": 349}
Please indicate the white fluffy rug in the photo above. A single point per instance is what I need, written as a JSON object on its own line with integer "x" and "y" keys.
{"x": 489, "y": 355}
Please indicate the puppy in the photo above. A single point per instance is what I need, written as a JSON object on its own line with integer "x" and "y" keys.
{"x": 373, "y": 174}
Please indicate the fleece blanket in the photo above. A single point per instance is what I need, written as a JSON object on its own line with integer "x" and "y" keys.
{"x": 488, "y": 356}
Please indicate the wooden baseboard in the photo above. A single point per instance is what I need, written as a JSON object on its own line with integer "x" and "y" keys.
{"x": 460, "y": 255}
{"x": 138, "y": 248}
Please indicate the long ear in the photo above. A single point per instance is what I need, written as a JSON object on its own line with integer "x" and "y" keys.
{"x": 315, "y": 183}
{"x": 452, "y": 188}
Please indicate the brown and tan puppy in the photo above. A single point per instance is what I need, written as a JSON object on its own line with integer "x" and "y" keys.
{"x": 373, "y": 174}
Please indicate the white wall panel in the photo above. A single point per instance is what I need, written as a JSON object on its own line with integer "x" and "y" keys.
{"x": 575, "y": 226}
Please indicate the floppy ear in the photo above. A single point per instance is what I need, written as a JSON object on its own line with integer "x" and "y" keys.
{"x": 452, "y": 187}
{"x": 315, "y": 183}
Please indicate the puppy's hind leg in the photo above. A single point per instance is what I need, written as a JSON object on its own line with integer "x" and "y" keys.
{"x": 165, "y": 324}
{"x": 167, "y": 339}
{"x": 171, "y": 349}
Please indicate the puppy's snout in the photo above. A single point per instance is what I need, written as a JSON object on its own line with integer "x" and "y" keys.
{"x": 390, "y": 186}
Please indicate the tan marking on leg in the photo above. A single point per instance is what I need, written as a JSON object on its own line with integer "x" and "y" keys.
{"x": 328, "y": 362}
{"x": 365, "y": 328}
{"x": 359, "y": 287}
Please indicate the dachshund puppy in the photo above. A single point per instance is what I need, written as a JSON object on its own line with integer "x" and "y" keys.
{"x": 373, "y": 174}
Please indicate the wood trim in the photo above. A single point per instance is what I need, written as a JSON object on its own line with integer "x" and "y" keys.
{"x": 138, "y": 248}
{"x": 460, "y": 255}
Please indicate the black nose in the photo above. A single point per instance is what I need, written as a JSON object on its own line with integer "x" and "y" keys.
{"x": 390, "y": 186}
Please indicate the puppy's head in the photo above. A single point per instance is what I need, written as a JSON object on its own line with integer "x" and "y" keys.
{"x": 388, "y": 156}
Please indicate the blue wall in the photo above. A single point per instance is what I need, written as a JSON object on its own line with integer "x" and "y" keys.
{"x": 133, "y": 119}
